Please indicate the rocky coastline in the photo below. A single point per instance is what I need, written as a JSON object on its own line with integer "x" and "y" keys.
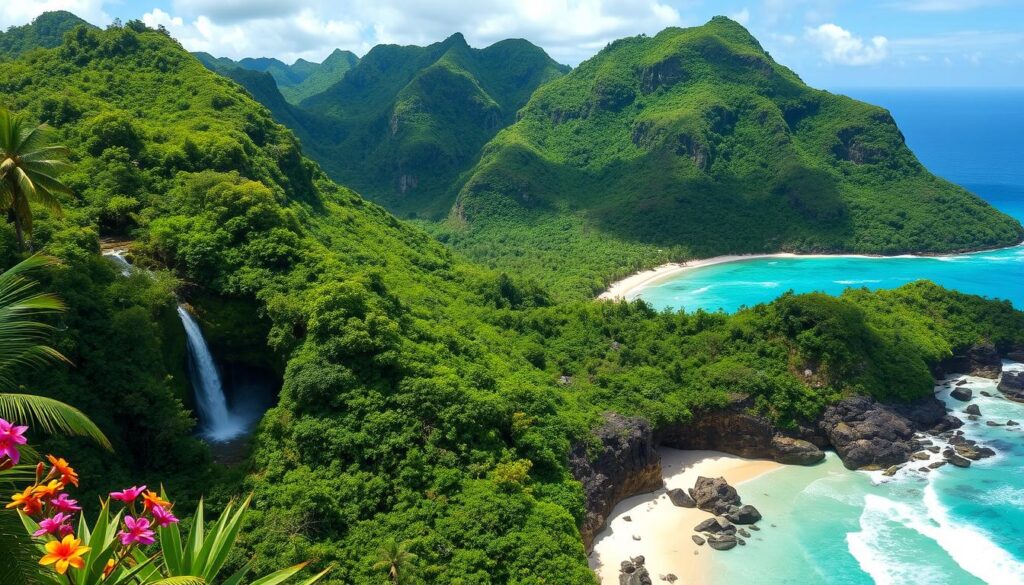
{"x": 865, "y": 433}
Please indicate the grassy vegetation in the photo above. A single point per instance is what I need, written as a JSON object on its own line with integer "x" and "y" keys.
{"x": 421, "y": 397}
{"x": 297, "y": 81}
{"x": 694, "y": 143}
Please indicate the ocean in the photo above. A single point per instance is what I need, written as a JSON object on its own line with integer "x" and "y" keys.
{"x": 827, "y": 525}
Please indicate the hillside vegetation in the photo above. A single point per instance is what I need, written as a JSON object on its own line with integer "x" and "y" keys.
{"x": 46, "y": 31}
{"x": 424, "y": 398}
{"x": 694, "y": 143}
{"x": 296, "y": 82}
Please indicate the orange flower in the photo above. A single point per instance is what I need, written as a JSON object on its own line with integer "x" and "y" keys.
{"x": 111, "y": 563}
{"x": 48, "y": 490}
{"x": 28, "y": 500}
{"x": 67, "y": 473}
{"x": 65, "y": 553}
{"x": 151, "y": 498}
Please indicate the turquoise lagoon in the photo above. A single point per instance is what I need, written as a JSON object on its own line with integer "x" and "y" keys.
{"x": 827, "y": 525}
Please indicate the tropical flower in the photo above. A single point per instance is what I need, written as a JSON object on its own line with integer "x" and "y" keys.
{"x": 52, "y": 525}
{"x": 28, "y": 500}
{"x": 107, "y": 570}
{"x": 45, "y": 491}
{"x": 138, "y": 531}
{"x": 10, "y": 437}
{"x": 65, "y": 553}
{"x": 151, "y": 498}
{"x": 67, "y": 473}
{"x": 163, "y": 516}
{"x": 127, "y": 495}
{"x": 63, "y": 503}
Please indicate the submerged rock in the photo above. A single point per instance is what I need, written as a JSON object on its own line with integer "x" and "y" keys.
{"x": 973, "y": 409}
{"x": 962, "y": 394}
{"x": 746, "y": 514}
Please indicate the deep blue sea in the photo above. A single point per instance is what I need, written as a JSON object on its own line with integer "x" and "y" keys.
{"x": 826, "y": 525}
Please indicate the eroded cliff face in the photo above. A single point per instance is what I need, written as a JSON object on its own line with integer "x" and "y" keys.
{"x": 626, "y": 463}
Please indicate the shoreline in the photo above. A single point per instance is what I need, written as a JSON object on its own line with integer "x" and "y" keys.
{"x": 665, "y": 529}
{"x": 627, "y": 287}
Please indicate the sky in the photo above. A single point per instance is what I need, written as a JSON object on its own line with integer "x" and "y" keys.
{"x": 829, "y": 43}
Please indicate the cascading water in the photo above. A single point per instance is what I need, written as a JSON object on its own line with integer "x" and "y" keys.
{"x": 218, "y": 423}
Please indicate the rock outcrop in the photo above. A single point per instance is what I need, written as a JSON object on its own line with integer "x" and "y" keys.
{"x": 633, "y": 572}
{"x": 714, "y": 495}
{"x": 626, "y": 464}
{"x": 1012, "y": 385}
{"x": 735, "y": 430}
{"x": 981, "y": 359}
{"x": 868, "y": 434}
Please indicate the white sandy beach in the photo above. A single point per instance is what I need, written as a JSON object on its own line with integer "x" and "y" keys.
{"x": 665, "y": 529}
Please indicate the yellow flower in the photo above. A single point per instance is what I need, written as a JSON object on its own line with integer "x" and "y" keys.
{"x": 49, "y": 490}
{"x": 151, "y": 498}
{"x": 111, "y": 563}
{"x": 65, "y": 553}
{"x": 27, "y": 499}
{"x": 67, "y": 473}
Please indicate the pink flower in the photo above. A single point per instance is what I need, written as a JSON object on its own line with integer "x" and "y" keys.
{"x": 66, "y": 529}
{"x": 10, "y": 437}
{"x": 163, "y": 517}
{"x": 63, "y": 503}
{"x": 138, "y": 532}
{"x": 128, "y": 495}
{"x": 53, "y": 525}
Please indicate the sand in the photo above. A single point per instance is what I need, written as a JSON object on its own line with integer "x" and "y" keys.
{"x": 665, "y": 529}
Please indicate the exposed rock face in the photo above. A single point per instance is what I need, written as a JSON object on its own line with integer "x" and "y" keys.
{"x": 715, "y": 495}
{"x": 736, "y": 431}
{"x": 681, "y": 498}
{"x": 868, "y": 434}
{"x": 633, "y": 572}
{"x": 1012, "y": 385}
{"x": 981, "y": 359}
{"x": 627, "y": 464}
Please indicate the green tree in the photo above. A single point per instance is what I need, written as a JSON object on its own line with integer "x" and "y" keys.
{"x": 29, "y": 167}
{"x": 396, "y": 558}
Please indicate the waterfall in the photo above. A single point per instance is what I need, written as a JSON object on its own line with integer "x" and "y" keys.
{"x": 117, "y": 257}
{"x": 218, "y": 424}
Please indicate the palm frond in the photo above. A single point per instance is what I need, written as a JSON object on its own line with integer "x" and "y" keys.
{"x": 51, "y": 416}
{"x": 178, "y": 581}
{"x": 20, "y": 565}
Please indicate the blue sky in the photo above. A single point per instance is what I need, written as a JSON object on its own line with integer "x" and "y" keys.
{"x": 830, "y": 43}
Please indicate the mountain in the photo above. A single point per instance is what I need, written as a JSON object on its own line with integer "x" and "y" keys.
{"x": 297, "y": 81}
{"x": 406, "y": 121}
{"x": 693, "y": 143}
{"x": 46, "y": 31}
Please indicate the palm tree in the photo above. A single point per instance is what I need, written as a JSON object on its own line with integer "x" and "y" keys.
{"x": 29, "y": 167}
{"x": 396, "y": 558}
{"x": 23, "y": 343}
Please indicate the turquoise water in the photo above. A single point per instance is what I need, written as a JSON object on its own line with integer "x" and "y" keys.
{"x": 949, "y": 526}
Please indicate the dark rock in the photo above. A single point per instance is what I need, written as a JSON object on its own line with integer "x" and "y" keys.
{"x": 698, "y": 539}
{"x": 866, "y": 434}
{"x": 754, "y": 527}
{"x": 743, "y": 533}
{"x": 961, "y": 394}
{"x": 1012, "y": 423}
{"x": 722, "y": 542}
{"x": 636, "y": 537}
{"x": 973, "y": 409}
{"x": 633, "y": 572}
{"x": 973, "y": 417}
{"x": 1012, "y": 385}
{"x": 961, "y": 383}
{"x": 715, "y": 525}
{"x": 681, "y": 498}
{"x": 741, "y": 541}
{"x": 715, "y": 495}
{"x": 924, "y": 469}
{"x": 957, "y": 460}
{"x": 936, "y": 464}
{"x": 986, "y": 394}
{"x": 790, "y": 451}
{"x": 745, "y": 515}
{"x": 920, "y": 455}
{"x": 625, "y": 465}
{"x": 993, "y": 423}
{"x": 981, "y": 359}
{"x": 891, "y": 471}
{"x": 671, "y": 578}
{"x": 627, "y": 518}
{"x": 933, "y": 449}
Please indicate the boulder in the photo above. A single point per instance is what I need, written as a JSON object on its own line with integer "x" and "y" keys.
{"x": 954, "y": 459}
{"x": 743, "y": 533}
{"x": 962, "y": 394}
{"x": 744, "y": 515}
{"x": 715, "y": 495}
{"x": 626, "y": 464}
{"x": 681, "y": 498}
{"x": 715, "y": 525}
{"x": 633, "y": 572}
{"x": 981, "y": 359}
{"x": 697, "y": 539}
{"x": 1012, "y": 385}
{"x": 790, "y": 451}
{"x": 722, "y": 542}
{"x": 973, "y": 409}
{"x": 866, "y": 434}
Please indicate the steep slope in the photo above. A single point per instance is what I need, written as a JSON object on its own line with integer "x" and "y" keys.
{"x": 297, "y": 81}
{"x": 46, "y": 31}
{"x": 321, "y": 76}
{"x": 694, "y": 143}
{"x": 408, "y": 120}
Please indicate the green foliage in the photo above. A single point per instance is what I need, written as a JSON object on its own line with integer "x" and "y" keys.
{"x": 45, "y": 32}
{"x": 694, "y": 143}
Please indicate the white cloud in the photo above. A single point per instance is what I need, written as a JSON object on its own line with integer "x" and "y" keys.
{"x": 19, "y": 12}
{"x": 944, "y": 5}
{"x": 742, "y": 17}
{"x": 840, "y": 46}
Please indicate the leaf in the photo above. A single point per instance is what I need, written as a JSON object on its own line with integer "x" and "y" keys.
{"x": 20, "y": 562}
{"x": 51, "y": 416}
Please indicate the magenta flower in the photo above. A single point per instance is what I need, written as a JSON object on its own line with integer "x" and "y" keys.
{"x": 54, "y": 525}
{"x": 163, "y": 517}
{"x": 128, "y": 495}
{"x": 138, "y": 532}
{"x": 10, "y": 437}
{"x": 66, "y": 529}
{"x": 63, "y": 503}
